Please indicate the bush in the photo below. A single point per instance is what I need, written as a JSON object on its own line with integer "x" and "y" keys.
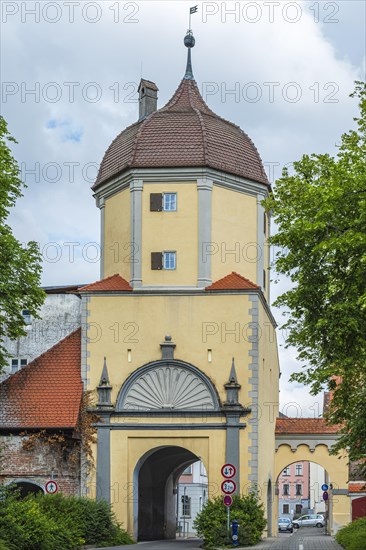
{"x": 353, "y": 535}
{"x": 211, "y": 523}
{"x": 56, "y": 522}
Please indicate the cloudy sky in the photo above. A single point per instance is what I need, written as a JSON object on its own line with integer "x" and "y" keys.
{"x": 281, "y": 70}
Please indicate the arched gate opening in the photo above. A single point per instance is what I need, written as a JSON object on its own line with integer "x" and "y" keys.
{"x": 156, "y": 475}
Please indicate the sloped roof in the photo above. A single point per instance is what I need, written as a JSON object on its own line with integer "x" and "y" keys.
{"x": 305, "y": 426}
{"x": 114, "y": 282}
{"x": 47, "y": 392}
{"x": 233, "y": 281}
{"x": 357, "y": 487}
{"x": 184, "y": 133}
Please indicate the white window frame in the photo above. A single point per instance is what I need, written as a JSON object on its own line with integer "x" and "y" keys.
{"x": 187, "y": 471}
{"x": 166, "y": 262}
{"x": 27, "y": 316}
{"x": 286, "y": 471}
{"x": 18, "y": 360}
{"x": 167, "y": 203}
{"x": 186, "y": 506}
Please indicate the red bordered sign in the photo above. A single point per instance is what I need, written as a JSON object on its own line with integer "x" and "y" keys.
{"x": 228, "y": 486}
{"x": 51, "y": 487}
{"x": 228, "y": 471}
{"x": 228, "y": 500}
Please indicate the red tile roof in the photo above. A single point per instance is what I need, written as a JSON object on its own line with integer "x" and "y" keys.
{"x": 47, "y": 392}
{"x": 114, "y": 282}
{"x": 234, "y": 281}
{"x": 183, "y": 133}
{"x": 357, "y": 487}
{"x": 304, "y": 426}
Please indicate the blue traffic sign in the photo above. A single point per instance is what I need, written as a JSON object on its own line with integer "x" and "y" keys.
{"x": 325, "y": 487}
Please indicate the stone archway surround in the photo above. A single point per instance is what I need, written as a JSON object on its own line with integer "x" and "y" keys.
{"x": 316, "y": 449}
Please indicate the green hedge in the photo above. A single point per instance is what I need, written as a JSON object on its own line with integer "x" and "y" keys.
{"x": 56, "y": 522}
{"x": 353, "y": 536}
{"x": 211, "y": 522}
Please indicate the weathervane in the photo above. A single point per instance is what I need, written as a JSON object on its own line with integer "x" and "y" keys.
{"x": 194, "y": 9}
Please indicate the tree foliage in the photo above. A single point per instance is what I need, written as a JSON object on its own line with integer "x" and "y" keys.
{"x": 320, "y": 211}
{"x": 20, "y": 269}
{"x": 56, "y": 522}
{"x": 211, "y": 522}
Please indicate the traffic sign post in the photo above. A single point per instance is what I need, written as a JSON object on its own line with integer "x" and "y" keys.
{"x": 228, "y": 487}
{"x": 325, "y": 498}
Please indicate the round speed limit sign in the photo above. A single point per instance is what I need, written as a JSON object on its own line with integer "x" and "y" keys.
{"x": 228, "y": 486}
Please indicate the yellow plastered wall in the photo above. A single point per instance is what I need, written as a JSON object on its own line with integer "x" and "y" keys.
{"x": 234, "y": 234}
{"x": 117, "y": 236}
{"x": 171, "y": 231}
{"x": 337, "y": 470}
{"x": 196, "y": 324}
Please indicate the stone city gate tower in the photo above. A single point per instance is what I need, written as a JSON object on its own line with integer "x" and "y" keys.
{"x": 179, "y": 338}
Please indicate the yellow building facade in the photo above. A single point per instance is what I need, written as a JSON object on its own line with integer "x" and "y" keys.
{"x": 179, "y": 339}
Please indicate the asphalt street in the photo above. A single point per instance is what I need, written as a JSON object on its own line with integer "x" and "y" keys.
{"x": 305, "y": 538}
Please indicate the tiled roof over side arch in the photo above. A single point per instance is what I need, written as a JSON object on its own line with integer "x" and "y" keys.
{"x": 305, "y": 426}
{"x": 47, "y": 392}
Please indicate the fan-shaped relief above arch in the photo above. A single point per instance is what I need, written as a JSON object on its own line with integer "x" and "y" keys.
{"x": 167, "y": 386}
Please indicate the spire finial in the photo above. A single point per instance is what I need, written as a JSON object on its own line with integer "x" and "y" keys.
{"x": 232, "y": 377}
{"x": 189, "y": 42}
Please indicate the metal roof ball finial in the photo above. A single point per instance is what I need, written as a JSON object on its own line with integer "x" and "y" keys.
{"x": 189, "y": 42}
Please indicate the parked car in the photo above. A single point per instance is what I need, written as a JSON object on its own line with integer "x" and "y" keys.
{"x": 310, "y": 520}
{"x": 285, "y": 524}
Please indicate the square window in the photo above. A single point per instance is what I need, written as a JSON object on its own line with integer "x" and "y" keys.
{"x": 170, "y": 202}
{"x": 14, "y": 365}
{"x": 169, "y": 260}
{"x": 286, "y": 489}
{"x": 298, "y": 490}
{"x": 187, "y": 471}
{"x": 286, "y": 509}
{"x": 298, "y": 469}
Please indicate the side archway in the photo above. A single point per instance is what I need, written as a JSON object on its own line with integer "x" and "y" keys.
{"x": 27, "y": 487}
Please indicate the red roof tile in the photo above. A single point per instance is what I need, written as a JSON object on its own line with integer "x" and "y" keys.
{"x": 183, "y": 133}
{"x": 114, "y": 282}
{"x": 234, "y": 281}
{"x": 357, "y": 487}
{"x": 47, "y": 392}
{"x": 304, "y": 426}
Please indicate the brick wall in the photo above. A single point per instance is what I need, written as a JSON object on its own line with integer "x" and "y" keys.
{"x": 37, "y": 465}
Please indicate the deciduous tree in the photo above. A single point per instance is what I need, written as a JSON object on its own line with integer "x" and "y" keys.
{"x": 20, "y": 266}
{"x": 320, "y": 211}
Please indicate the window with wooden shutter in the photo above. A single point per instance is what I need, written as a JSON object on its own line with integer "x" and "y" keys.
{"x": 156, "y": 260}
{"x": 156, "y": 202}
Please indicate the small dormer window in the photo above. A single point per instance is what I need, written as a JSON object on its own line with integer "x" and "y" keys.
{"x": 18, "y": 363}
